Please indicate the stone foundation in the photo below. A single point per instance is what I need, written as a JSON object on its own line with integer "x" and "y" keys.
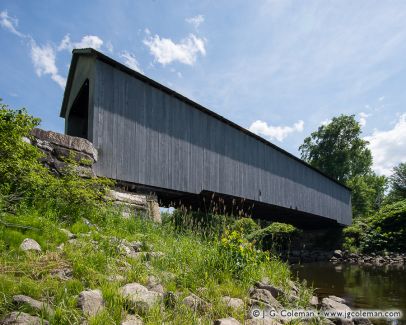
{"x": 60, "y": 149}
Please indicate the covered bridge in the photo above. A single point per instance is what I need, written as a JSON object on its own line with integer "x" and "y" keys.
{"x": 154, "y": 139}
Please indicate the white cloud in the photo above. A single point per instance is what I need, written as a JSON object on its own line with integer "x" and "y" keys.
{"x": 275, "y": 132}
{"x": 388, "y": 147}
{"x": 91, "y": 41}
{"x": 363, "y": 118}
{"x": 9, "y": 23}
{"x": 166, "y": 51}
{"x": 381, "y": 98}
{"x": 130, "y": 61}
{"x": 196, "y": 21}
{"x": 43, "y": 58}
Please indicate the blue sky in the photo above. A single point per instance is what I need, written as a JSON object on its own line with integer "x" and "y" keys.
{"x": 277, "y": 67}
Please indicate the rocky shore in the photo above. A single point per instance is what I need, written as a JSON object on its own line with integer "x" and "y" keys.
{"x": 344, "y": 256}
{"x": 261, "y": 300}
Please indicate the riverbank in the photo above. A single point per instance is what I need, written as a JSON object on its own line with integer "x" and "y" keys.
{"x": 343, "y": 256}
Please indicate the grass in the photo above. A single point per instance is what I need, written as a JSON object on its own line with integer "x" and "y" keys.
{"x": 189, "y": 262}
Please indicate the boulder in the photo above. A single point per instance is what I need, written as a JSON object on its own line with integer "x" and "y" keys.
{"x": 331, "y": 304}
{"x": 66, "y": 141}
{"x": 68, "y": 233}
{"x": 127, "y": 197}
{"x": 264, "y": 296}
{"x": 227, "y": 321}
{"x": 40, "y": 306}
{"x": 132, "y": 320}
{"x": 91, "y": 302}
{"x": 20, "y": 318}
{"x": 139, "y": 297}
{"x": 314, "y": 301}
{"x": 275, "y": 292}
{"x": 29, "y": 244}
{"x": 196, "y": 303}
{"x": 337, "y": 299}
{"x": 233, "y": 303}
{"x": 338, "y": 253}
{"x": 153, "y": 284}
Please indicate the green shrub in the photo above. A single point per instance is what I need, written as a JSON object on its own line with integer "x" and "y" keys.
{"x": 26, "y": 182}
{"x": 276, "y": 236}
{"x": 245, "y": 226}
{"x": 238, "y": 254}
{"x": 385, "y": 230}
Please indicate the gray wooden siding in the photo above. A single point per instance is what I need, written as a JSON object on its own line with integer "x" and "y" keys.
{"x": 144, "y": 135}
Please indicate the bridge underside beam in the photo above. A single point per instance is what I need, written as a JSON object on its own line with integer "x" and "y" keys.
{"x": 220, "y": 203}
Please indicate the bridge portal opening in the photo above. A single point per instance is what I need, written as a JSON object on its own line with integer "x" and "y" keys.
{"x": 78, "y": 118}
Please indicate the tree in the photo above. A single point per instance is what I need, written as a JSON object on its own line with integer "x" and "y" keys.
{"x": 368, "y": 192}
{"x": 398, "y": 183}
{"x": 338, "y": 150}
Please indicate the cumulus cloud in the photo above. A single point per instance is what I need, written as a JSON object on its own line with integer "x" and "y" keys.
{"x": 275, "y": 132}
{"x": 92, "y": 41}
{"x": 9, "y": 23}
{"x": 196, "y": 21}
{"x": 166, "y": 51}
{"x": 363, "y": 118}
{"x": 43, "y": 58}
{"x": 388, "y": 147}
{"x": 130, "y": 61}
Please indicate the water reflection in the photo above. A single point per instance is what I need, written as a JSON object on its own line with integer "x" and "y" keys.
{"x": 368, "y": 287}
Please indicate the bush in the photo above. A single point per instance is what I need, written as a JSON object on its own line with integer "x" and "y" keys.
{"x": 276, "y": 236}
{"x": 245, "y": 226}
{"x": 385, "y": 230}
{"x": 25, "y": 182}
{"x": 238, "y": 255}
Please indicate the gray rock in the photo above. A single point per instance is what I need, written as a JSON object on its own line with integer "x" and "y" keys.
{"x": 132, "y": 320}
{"x": 337, "y": 299}
{"x": 154, "y": 212}
{"x": 275, "y": 292}
{"x": 63, "y": 273}
{"x": 127, "y": 197}
{"x": 196, "y": 303}
{"x": 330, "y": 304}
{"x": 91, "y": 302}
{"x": 338, "y": 253}
{"x": 66, "y": 141}
{"x": 20, "y": 318}
{"x": 33, "y": 304}
{"x": 29, "y": 244}
{"x": 314, "y": 301}
{"x": 227, "y": 321}
{"x": 152, "y": 281}
{"x": 68, "y": 233}
{"x": 139, "y": 297}
{"x": 265, "y": 296}
{"x": 234, "y": 303}
{"x": 136, "y": 246}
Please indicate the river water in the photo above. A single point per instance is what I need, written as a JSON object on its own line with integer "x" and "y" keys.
{"x": 363, "y": 287}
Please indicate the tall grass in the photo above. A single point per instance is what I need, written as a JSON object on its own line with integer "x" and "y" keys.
{"x": 189, "y": 262}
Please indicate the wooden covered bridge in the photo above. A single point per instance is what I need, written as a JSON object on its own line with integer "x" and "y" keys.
{"x": 151, "y": 138}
